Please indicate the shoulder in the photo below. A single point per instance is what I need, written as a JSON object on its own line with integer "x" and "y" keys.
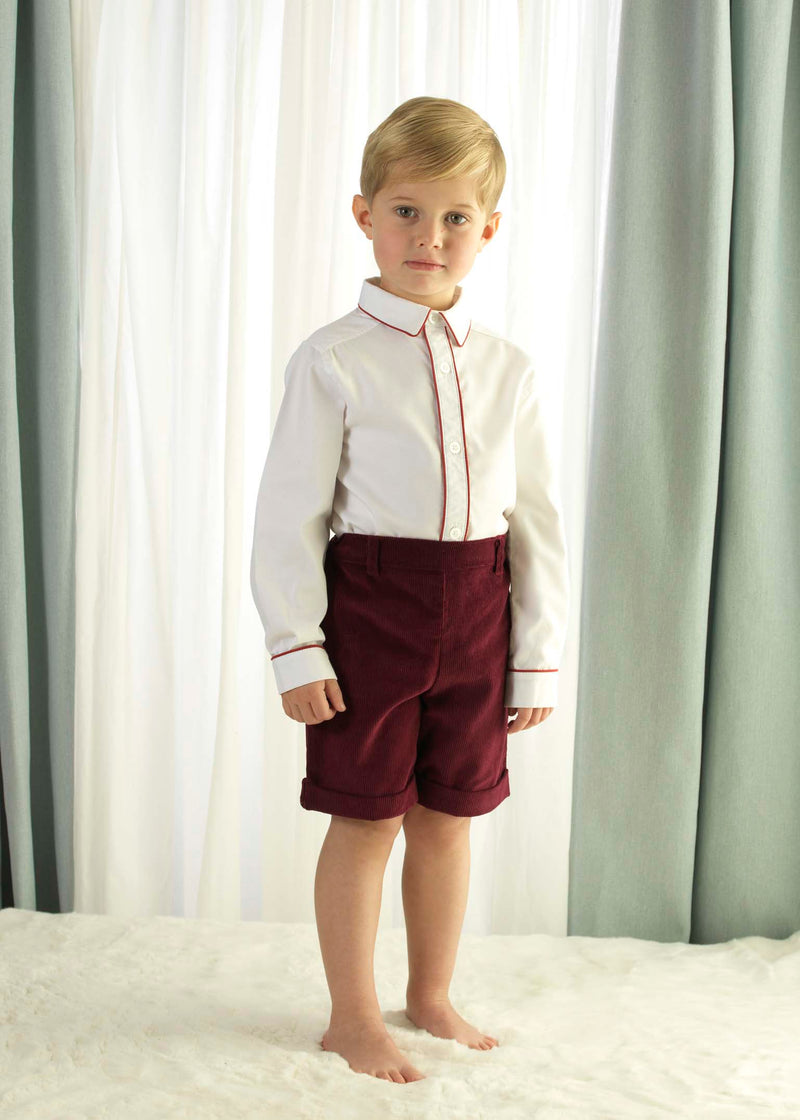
{"x": 508, "y": 357}
{"x": 347, "y": 328}
{"x": 504, "y": 348}
{"x": 316, "y": 351}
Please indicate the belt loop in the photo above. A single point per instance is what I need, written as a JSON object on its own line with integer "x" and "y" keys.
{"x": 373, "y": 554}
{"x": 498, "y": 555}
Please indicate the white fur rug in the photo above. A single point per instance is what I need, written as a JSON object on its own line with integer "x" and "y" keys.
{"x": 169, "y": 1017}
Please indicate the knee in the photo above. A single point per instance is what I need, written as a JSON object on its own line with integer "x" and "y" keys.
{"x": 386, "y": 829}
{"x": 420, "y": 819}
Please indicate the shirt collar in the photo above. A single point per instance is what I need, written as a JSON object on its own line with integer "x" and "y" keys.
{"x": 408, "y": 316}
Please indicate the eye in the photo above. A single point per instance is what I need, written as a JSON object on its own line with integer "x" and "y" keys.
{"x": 397, "y": 209}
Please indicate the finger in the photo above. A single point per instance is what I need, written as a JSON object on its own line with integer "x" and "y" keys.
{"x": 307, "y": 713}
{"x": 335, "y": 695}
{"x": 323, "y": 709}
{"x": 317, "y": 708}
{"x": 336, "y": 703}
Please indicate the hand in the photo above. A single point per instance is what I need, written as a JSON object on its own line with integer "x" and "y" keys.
{"x": 309, "y": 703}
{"x": 526, "y": 717}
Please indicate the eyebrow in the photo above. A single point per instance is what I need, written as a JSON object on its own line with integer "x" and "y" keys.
{"x": 459, "y": 205}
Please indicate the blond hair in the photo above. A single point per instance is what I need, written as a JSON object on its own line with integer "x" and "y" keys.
{"x": 435, "y": 138}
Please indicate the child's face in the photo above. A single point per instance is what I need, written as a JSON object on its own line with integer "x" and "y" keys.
{"x": 437, "y": 221}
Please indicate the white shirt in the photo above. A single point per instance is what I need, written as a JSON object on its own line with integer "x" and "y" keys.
{"x": 402, "y": 421}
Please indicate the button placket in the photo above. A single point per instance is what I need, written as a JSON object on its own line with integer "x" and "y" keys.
{"x": 450, "y": 403}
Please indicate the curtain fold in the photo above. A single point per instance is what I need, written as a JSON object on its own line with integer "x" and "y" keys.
{"x": 686, "y": 795}
{"x": 38, "y": 445}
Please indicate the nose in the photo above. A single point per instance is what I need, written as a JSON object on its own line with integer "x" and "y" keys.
{"x": 429, "y": 234}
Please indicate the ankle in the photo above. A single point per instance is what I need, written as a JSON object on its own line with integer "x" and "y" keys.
{"x": 420, "y": 998}
{"x": 350, "y": 1017}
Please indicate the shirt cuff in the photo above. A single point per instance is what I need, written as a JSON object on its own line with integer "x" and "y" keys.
{"x": 301, "y": 666}
{"x": 534, "y": 689}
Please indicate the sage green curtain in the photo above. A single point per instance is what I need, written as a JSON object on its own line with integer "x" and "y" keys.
{"x": 39, "y": 384}
{"x": 686, "y": 803}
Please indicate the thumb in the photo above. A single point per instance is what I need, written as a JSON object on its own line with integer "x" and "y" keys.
{"x": 335, "y": 693}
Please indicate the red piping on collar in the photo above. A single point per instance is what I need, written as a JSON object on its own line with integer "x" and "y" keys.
{"x": 414, "y": 334}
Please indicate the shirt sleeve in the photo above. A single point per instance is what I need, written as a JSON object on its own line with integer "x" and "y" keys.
{"x": 293, "y": 517}
{"x": 537, "y": 557}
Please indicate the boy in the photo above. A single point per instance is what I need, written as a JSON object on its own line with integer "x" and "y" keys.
{"x": 419, "y": 436}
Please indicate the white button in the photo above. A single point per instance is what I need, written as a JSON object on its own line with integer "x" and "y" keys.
{"x": 434, "y": 316}
{"x": 444, "y": 367}
{"x": 455, "y": 531}
{"x": 455, "y": 446}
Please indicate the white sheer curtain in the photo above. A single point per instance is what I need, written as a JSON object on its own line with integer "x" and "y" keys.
{"x": 218, "y": 150}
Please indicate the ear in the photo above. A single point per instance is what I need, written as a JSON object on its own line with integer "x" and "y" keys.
{"x": 362, "y": 215}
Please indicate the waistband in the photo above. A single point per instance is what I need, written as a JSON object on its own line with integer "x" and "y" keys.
{"x": 418, "y": 552}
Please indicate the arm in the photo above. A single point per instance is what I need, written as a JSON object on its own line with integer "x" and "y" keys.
{"x": 537, "y": 558}
{"x": 292, "y": 521}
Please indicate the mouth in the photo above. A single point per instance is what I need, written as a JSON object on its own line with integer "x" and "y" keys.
{"x": 430, "y": 265}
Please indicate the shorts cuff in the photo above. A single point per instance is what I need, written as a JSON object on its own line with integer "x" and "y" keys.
{"x": 461, "y": 802}
{"x": 357, "y": 805}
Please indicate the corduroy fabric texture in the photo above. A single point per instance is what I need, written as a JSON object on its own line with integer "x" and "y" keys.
{"x": 417, "y": 631}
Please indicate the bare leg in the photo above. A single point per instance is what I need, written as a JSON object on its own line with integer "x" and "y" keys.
{"x": 347, "y": 899}
{"x": 435, "y": 888}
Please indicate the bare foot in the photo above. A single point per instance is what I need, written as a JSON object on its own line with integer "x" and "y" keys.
{"x": 368, "y": 1048}
{"x": 442, "y": 1020}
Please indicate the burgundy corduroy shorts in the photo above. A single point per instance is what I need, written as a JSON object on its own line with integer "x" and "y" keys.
{"x": 417, "y": 632}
